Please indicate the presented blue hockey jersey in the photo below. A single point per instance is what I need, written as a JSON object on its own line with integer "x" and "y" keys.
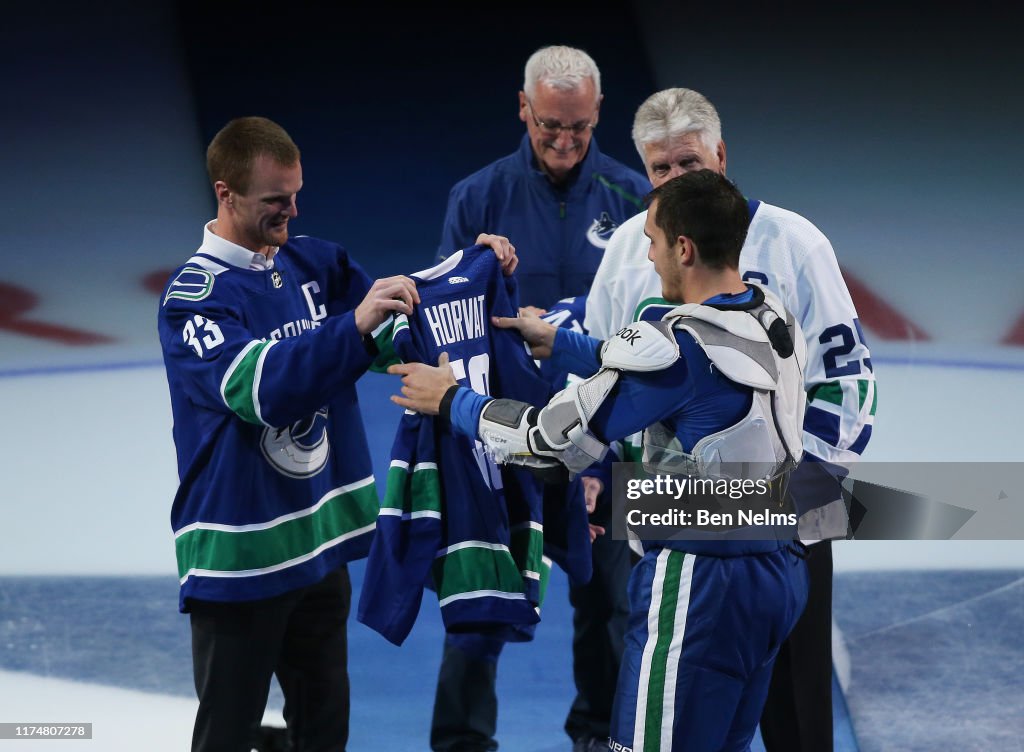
{"x": 450, "y": 514}
{"x": 560, "y": 233}
{"x": 276, "y": 487}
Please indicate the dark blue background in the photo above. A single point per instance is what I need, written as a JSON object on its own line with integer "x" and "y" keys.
{"x": 390, "y": 114}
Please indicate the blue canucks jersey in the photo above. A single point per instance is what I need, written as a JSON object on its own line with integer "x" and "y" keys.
{"x": 450, "y": 515}
{"x": 276, "y": 487}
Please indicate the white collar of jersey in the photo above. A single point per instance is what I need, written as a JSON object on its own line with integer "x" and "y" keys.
{"x": 232, "y": 253}
{"x": 449, "y": 263}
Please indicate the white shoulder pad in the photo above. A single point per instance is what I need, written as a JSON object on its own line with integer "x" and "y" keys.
{"x": 641, "y": 346}
{"x": 738, "y": 366}
{"x": 734, "y": 322}
{"x": 742, "y": 326}
{"x": 736, "y": 341}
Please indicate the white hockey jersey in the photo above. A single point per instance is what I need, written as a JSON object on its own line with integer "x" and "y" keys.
{"x": 792, "y": 258}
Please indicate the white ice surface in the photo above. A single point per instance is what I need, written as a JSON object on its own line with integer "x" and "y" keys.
{"x": 89, "y": 469}
{"x": 122, "y": 720}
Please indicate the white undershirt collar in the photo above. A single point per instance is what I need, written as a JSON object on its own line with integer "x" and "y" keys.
{"x": 232, "y": 253}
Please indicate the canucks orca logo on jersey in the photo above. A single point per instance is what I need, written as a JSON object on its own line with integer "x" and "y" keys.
{"x": 600, "y": 231}
{"x": 299, "y": 450}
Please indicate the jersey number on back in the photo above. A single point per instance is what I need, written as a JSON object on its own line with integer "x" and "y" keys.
{"x": 479, "y": 368}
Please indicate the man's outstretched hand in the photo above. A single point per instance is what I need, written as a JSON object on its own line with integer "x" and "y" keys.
{"x": 538, "y": 333}
{"x": 423, "y": 386}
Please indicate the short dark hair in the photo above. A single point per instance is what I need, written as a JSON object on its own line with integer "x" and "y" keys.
{"x": 234, "y": 150}
{"x": 707, "y": 208}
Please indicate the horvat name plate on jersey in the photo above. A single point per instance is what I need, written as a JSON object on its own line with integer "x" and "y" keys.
{"x": 457, "y": 320}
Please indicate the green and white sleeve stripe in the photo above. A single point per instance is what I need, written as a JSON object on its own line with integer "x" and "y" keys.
{"x": 241, "y": 383}
{"x": 412, "y": 494}
{"x": 477, "y": 569}
{"x": 853, "y": 403}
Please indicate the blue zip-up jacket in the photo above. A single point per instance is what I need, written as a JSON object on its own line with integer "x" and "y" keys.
{"x": 560, "y": 233}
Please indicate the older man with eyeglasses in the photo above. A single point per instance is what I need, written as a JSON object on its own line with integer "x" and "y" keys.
{"x": 558, "y": 199}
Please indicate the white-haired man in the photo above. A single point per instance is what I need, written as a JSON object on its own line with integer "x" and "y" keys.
{"x": 678, "y": 131}
{"x": 558, "y": 198}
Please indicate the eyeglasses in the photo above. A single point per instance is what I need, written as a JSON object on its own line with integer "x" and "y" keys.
{"x": 553, "y": 127}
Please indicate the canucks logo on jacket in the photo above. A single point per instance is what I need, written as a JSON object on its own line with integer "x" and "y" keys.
{"x": 600, "y": 231}
{"x": 450, "y": 516}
